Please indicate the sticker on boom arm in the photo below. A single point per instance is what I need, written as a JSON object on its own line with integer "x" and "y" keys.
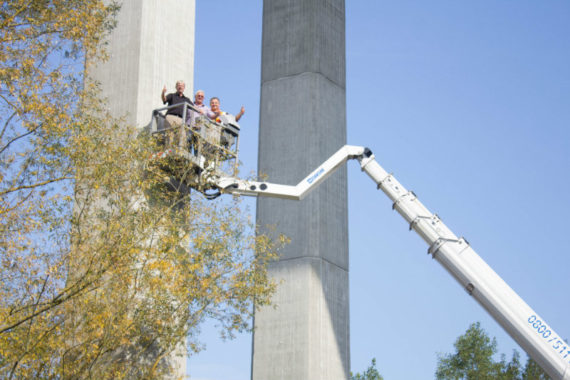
{"x": 313, "y": 177}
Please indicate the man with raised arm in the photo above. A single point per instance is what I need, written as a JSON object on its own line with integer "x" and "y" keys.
{"x": 174, "y": 114}
{"x": 216, "y": 111}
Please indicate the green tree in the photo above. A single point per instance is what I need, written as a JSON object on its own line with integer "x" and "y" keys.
{"x": 473, "y": 358}
{"x": 371, "y": 373}
{"x": 100, "y": 263}
{"x": 532, "y": 371}
{"x": 511, "y": 370}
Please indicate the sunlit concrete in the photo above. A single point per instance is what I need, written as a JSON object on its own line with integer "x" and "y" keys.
{"x": 302, "y": 123}
{"x": 152, "y": 46}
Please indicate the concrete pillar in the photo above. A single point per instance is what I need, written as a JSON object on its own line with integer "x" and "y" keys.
{"x": 152, "y": 46}
{"x": 302, "y": 123}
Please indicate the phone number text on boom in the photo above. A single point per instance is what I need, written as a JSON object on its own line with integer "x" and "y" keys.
{"x": 543, "y": 330}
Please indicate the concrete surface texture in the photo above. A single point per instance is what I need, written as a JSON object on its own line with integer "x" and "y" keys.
{"x": 152, "y": 46}
{"x": 302, "y": 123}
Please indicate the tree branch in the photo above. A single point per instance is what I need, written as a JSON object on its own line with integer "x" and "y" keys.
{"x": 6, "y": 124}
{"x": 34, "y": 186}
{"x": 18, "y": 137}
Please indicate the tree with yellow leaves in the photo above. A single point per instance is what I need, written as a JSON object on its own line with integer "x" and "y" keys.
{"x": 103, "y": 269}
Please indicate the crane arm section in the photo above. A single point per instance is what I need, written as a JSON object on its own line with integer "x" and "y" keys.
{"x": 454, "y": 253}
{"x": 254, "y": 188}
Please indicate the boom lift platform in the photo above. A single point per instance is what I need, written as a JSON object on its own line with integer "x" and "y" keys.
{"x": 454, "y": 253}
{"x": 196, "y": 153}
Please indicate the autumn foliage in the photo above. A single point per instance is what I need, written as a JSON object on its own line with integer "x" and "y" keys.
{"x": 103, "y": 270}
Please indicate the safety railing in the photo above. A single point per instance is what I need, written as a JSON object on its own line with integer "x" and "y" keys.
{"x": 210, "y": 145}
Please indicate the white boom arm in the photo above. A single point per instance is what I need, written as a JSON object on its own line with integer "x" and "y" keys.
{"x": 525, "y": 326}
{"x": 237, "y": 186}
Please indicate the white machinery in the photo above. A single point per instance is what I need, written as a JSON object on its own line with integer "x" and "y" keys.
{"x": 524, "y": 325}
{"x": 454, "y": 253}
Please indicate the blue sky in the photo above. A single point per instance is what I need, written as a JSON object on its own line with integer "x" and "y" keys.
{"x": 468, "y": 104}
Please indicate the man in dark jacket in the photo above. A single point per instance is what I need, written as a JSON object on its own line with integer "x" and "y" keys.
{"x": 174, "y": 114}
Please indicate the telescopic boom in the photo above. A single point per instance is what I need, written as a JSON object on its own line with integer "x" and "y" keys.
{"x": 454, "y": 253}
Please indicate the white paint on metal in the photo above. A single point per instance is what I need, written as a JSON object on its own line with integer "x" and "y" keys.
{"x": 455, "y": 254}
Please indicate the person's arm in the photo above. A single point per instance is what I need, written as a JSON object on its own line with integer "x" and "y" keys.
{"x": 163, "y": 96}
{"x": 211, "y": 114}
{"x": 240, "y": 113}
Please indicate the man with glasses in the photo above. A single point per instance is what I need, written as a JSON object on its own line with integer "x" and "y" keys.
{"x": 200, "y": 106}
{"x": 191, "y": 118}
